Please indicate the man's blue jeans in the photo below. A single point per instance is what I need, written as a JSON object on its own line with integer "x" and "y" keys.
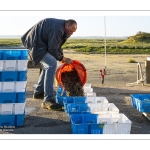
{"x": 46, "y": 79}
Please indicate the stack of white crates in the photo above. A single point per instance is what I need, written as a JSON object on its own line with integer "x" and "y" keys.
{"x": 13, "y": 80}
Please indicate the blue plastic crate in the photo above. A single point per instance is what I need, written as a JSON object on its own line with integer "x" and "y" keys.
{"x": 14, "y": 54}
{"x": 73, "y": 99}
{"x": 10, "y": 97}
{"x": 12, "y": 120}
{"x": 75, "y": 108}
{"x": 21, "y": 97}
{"x": 85, "y": 123}
{"x": 96, "y": 128}
{"x": 1, "y": 51}
{"x": 141, "y": 102}
{"x": 22, "y": 76}
{"x": 7, "y": 76}
{"x": 60, "y": 99}
{"x": 64, "y": 99}
{"x": 19, "y": 119}
{"x": 134, "y": 100}
{"x": 143, "y": 106}
{"x": 84, "y": 112}
{"x": 60, "y": 90}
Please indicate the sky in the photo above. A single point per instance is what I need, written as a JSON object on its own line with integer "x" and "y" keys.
{"x": 88, "y": 25}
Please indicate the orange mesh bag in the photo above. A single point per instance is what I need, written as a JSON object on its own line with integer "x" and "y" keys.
{"x": 78, "y": 66}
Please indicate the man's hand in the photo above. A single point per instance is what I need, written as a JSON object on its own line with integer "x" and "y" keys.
{"x": 66, "y": 60}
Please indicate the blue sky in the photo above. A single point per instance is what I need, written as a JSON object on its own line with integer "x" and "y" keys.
{"x": 88, "y": 25}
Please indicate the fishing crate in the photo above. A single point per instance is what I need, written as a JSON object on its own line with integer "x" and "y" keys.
{"x": 100, "y": 124}
{"x": 141, "y": 102}
{"x": 6, "y": 76}
{"x": 13, "y": 65}
{"x": 12, "y": 97}
{"x": 13, "y": 54}
{"x": 95, "y": 108}
{"x": 12, "y": 108}
{"x": 12, "y": 120}
{"x": 17, "y": 86}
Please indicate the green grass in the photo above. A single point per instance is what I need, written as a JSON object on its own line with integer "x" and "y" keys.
{"x": 96, "y": 46}
{"x": 10, "y": 42}
{"x": 131, "y": 61}
{"x": 113, "y": 46}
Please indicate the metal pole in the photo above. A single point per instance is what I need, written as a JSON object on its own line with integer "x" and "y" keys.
{"x": 105, "y": 39}
{"x": 138, "y": 77}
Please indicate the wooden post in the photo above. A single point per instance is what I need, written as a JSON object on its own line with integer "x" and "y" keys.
{"x": 147, "y": 67}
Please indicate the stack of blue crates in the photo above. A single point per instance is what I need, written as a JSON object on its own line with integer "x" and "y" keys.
{"x": 13, "y": 80}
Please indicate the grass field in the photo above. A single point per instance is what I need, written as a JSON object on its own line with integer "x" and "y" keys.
{"x": 10, "y": 42}
{"x": 92, "y": 46}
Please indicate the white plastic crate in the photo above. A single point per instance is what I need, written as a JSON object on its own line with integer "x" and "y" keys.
{"x": 21, "y": 65}
{"x": 1, "y": 65}
{"x": 97, "y": 99}
{"x": 13, "y": 65}
{"x": 87, "y": 85}
{"x": 12, "y": 108}
{"x": 122, "y": 123}
{"x": 101, "y": 108}
{"x": 109, "y": 126}
{"x": 101, "y": 99}
{"x": 90, "y": 99}
{"x": 19, "y": 86}
{"x": 115, "y": 123}
{"x": 18, "y": 108}
{"x": 88, "y": 89}
{"x": 90, "y": 94}
{"x": 7, "y": 65}
{"x": 6, "y": 109}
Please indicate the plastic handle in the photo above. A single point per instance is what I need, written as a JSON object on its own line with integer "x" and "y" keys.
{"x": 6, "y": 124}
{"x": 9, "y": 79}
{"x": 8, "y": 90}
{"x": 10, "y": 68}
{"x": 7, "y": 101}
{"x": 11, "y": 58}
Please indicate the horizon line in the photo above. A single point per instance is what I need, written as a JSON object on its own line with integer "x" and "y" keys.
{"x": 78, "y": 36}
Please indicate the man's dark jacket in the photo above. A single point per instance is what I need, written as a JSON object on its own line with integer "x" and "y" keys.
{"x": 48, "y": 35}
